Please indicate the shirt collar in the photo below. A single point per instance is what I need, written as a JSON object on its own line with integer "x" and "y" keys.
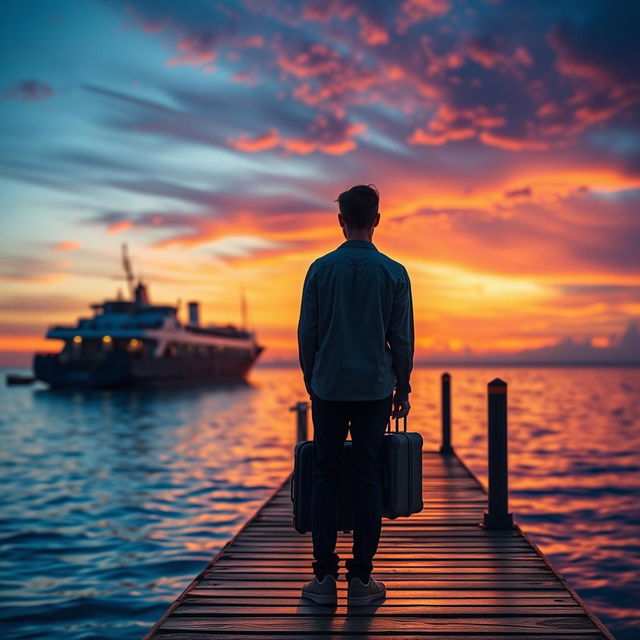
{"x": 365, "y": 244}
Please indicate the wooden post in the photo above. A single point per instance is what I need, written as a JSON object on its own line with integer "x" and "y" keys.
{"x": 498, "y": 516}
{"x": 302, "y": 429}
{"x": 445, "y": 385}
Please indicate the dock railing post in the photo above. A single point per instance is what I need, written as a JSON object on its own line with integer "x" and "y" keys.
{"x": 302, "y": 421}
{"x": 498, "y": 516}
{"x": 445, "y": 387}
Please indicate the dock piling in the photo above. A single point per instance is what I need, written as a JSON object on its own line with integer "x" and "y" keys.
{"x": 445, "y": 387}
{"x": 498, "y": 516}
{"x": 302, "y": 421}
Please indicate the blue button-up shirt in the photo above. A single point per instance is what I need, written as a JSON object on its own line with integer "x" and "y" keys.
{"x": 355, "y": 333}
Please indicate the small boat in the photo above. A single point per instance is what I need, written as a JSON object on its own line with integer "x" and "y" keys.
{"x": 136, "y": 343}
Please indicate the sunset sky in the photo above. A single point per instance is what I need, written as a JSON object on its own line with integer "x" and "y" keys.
{"x": 213, "y": 138}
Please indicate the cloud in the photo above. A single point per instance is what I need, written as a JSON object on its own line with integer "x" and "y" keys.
{"x": 241, "y": 246}
{"x": 600, "y": 56}
{"x": 36, "y": 304}
{"x": 523, "y": 192}
{"x": 623, "y": 348}
{"x": 417, "y": 11}
{"x": 329, "y": 135}
{"x": 28, "y": 91}
{"x": 20, "y": 268}
{"x": 512, "y": 143}
{"x": 195, "y": 51}
{"x": 449, "y": 124}
{"x": 67, "y": 245}
{"x": 490, "y": 52}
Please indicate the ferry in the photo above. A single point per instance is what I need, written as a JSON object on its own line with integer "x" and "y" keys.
{"x": 131, "y": 343}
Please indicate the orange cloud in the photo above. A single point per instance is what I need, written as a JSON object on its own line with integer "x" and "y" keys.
{"x": 121, "y": 225}
{"x": 67, "y": 245}
{"x": 331, "y": 137}
{"x": 511, "y": 143}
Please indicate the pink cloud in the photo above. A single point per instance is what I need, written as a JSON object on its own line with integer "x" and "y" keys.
{"x": 195, "y": 51}
{"x": 246, "y": 77}
{"x": 415, "y": 11}
{"x": 253, "y": 42}
{"x": 489, "y": 52}
{"x": 371, "y": 32}
{"x": 316, "y": 61}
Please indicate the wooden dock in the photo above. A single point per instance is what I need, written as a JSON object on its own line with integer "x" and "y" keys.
{"x": 446, "y": 576}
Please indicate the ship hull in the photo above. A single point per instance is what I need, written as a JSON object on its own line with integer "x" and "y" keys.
{"x": 121, "y": 370}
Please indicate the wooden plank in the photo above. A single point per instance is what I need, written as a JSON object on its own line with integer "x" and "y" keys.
{"x": 428, "y": 635}
{"x": 190, "y": 608}
{"x": 395, "y": 582}
{"x": 544, "y": 626}
{"x": 286, "y": 598}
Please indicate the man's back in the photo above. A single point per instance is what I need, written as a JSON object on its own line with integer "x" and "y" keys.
{"x": 355, "y": 341}
{"x": 356, "y": 324}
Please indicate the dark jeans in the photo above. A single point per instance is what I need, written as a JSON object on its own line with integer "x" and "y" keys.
{"x": 366, "y": 419}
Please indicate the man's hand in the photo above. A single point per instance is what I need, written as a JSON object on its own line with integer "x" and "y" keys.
{"x": 401, "y": 406}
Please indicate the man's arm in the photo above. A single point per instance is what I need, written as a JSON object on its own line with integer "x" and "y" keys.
{"x": 308, "y": 327}
{"x": 401, "y": 340}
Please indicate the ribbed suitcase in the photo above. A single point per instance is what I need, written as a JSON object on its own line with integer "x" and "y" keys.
{"x": 401, "y": 482}
{"x": 402, "y": 467}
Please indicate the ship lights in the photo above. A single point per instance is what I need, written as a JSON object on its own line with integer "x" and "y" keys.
{"x": 107, "y": 339}
{"x": 134, "y": 344}
{"x": 77, "y": 339}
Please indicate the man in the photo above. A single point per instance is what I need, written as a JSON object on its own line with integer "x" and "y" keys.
{"x": 355, "y": 340}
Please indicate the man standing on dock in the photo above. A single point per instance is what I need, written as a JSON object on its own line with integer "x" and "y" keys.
{"x": 355, "y": 340}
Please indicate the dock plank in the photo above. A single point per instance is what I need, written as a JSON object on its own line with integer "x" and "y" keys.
{"x": 446, "y": 577}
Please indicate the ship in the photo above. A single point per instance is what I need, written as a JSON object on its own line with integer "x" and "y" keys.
{"x": 134, "y": 343}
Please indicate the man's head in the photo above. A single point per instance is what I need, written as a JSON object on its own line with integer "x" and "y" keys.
{"x": 359, "y": 210}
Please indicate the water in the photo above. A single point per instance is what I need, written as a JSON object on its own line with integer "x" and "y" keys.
{"x": 113, "y": 502}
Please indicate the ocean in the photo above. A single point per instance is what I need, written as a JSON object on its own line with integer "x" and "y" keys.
{"x": 113, "y": 501}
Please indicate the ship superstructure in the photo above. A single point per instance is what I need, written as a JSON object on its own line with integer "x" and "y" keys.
{"x": 136, "y": 343}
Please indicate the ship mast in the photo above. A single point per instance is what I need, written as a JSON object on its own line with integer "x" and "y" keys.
{"x": 126, "y": 264}
{"x": 243, "y": 309}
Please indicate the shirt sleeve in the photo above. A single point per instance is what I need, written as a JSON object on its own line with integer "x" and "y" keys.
{"x": 401, "y": 334}
{"x": 308, "y": 327}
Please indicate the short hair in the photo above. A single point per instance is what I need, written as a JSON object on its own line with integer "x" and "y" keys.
{"x": 359, "y": 206}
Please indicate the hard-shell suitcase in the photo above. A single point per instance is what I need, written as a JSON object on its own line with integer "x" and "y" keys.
{"x": 301, "y": 484}
{"x": 402, "y": 468}
{"x": 401, "y": 482}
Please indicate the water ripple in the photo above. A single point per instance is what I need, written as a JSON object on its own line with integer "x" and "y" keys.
{"x": 114, "y": 501}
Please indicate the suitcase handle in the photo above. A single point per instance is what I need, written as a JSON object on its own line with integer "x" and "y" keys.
{"x": 404, "y": 424}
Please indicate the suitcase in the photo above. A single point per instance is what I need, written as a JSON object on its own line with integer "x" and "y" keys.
{"x": 401, "y": 481}
{"x": 301, "y": 484}
{"x": 402, "y": 469}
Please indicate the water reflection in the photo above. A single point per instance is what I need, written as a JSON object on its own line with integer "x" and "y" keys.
{"x": 114, "y": 501}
